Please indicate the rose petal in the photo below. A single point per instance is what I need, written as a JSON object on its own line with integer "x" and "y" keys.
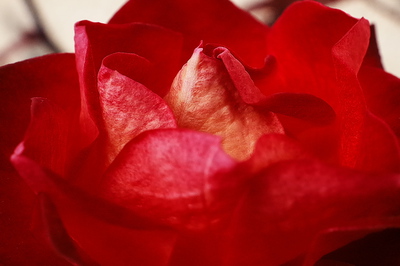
{"x": 358, "y": 127}
{"x": 48, "y": 223}
{"x": 109, "y": 234}
{"x": 333, "y": 238}
{"x": 274, "y": 148}
{"x": 372, "y": 57}
{"x": 290, "y": 203}
{"x": 296, "y": 68}
{"x": 382, "y": 94}
{"x": 383, "y": 245}
{"x": 18, "y": 245}
{"x": 48, "y": 139}
{"x": 51, "y": 76}
{"x": 204, "y": 98}
{"x": 379, "y": 150}
{"x": 179, "y": 177}
{"x": 94, "y": 41}
{"x": 129, "y": 108}
{"x": 299, "y": 105}
{"x": 217, "y": 22}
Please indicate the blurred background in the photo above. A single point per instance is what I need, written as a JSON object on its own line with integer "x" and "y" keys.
{"x": 30, "y": 28}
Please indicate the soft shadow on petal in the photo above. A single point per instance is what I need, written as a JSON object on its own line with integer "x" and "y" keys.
{"x": 179, "y": 177}
{"x": 95, "y": 41}
{"x": 128, "y": 109}
{"x": 109, "y": 234}
{"x": 54, "y": 77}
{"x": 203, "y": 97}
{"x": 291, "y": 203}
{"x": 218, "y": 22}
{"x": 382, "y": 95}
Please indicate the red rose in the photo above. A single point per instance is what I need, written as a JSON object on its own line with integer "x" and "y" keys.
{"x": 264, "y": 146}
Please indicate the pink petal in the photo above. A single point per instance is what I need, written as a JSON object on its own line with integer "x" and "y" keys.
{"x": 212, "y": 21}
{"x": 128, "y": 108}
{"x": 204, "y": 98}
{"x": 178, "y": 177}
{"x": 94, "y": 41}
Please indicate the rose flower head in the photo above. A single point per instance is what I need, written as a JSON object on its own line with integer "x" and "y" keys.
{"x": 188, "y": 133}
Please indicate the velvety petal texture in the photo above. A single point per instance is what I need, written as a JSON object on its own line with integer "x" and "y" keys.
{"x": 329, "y": 71}
{"x": 122, "y": 112}
{"x": 94, "y": 41}
{"x": 181, "y": 178}
{"x": 290, "y": 203}
{"x": 188, "y": 133}
{"x": 18, "y": 84}
{"x": 204, "y": 98}
{"x": 218, "y": 22}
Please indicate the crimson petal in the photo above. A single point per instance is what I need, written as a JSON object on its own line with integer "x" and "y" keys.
{"x": 94, "y": 41}
{"x": 179, "y": 177}
{"x": 382, "y": 94}
{"x": 291, "y": 203}
{"x": 212, "y": 21}
{"x": 109, "y": 234}
{"x": 300, "y": 105}
{"x": 49, "y": 225}
{"x": 54, "y": 77}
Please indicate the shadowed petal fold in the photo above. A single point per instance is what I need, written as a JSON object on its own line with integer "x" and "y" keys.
{"x": 203, "y": 97}
{"x": 217, "y": 22}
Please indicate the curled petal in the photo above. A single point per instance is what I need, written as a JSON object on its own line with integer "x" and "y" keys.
{"x": 300, "y": 105}
{"x": 51, "y": 148}
{"x": 52, "y": 76}
{"x": 218, "y": 22}
{"x": 129, "y": 108}
{"x": 204, "y": 98}
{"x": 94, "y": 41}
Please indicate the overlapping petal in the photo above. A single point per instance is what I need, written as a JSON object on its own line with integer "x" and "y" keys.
{"x": 103, "y": 230}
{"x": 203, "y": 97}
{"x": 19, "y": 83}
{"x": 117, "y": 183}
{"x": 178, "y": 177}
{"x": 123, "y": 102}
{"x": 217, "y": 22}
{"x": 94, "y": 41}
{"x": 290, "y": 203}
{"x": 328, "y": 71}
